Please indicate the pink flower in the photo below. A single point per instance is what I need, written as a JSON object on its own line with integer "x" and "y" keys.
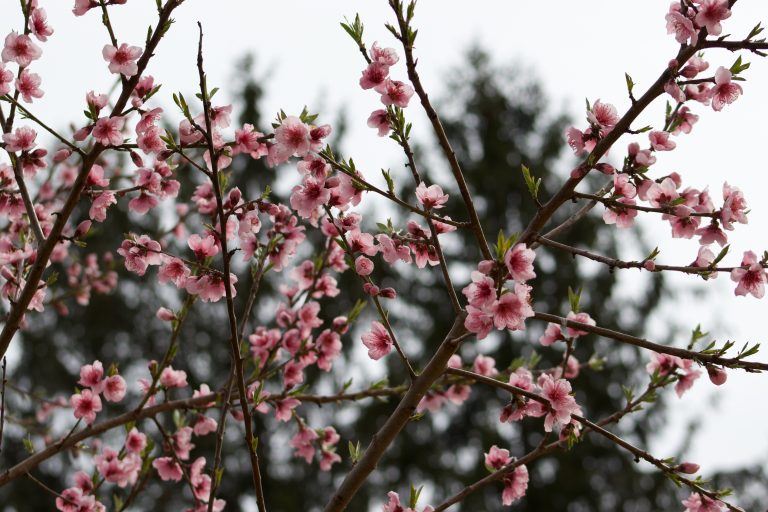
{"x": 478, "y": 321}
{"x": 482, "y": 291}
{"x": 711, "y": 13}
{"x": 660, "y": 141}
{"x": 582, "y": 318}
{"x": 377, "y": 341}
{"x": 203, "y": 247}
{"x": 552, "y": 333}
{"x": 140, "y": 253}
{"x": 6, "y": 78}
{"x": 395, "y": 92}
{"x": 484, "y": 366}
{"x": 135, "y": 442}
{"x": 283, "y": 408}
{"x": 515, "y": 485}
{"x": 122, "y": 60}
{"x": 291, "y": 138}
{"x": 374, "y": 75}
{"x": 686, "y": 376}
{"x": 303, "y": 444}
{"x": 247, "y": 141}
{"x": 91, "y": 376}
{"x": 660, "y": 195}
{"x": 562, "y": 403}
{"x": 603, "y": 116}
{"x": 98, "y": 210}
{"x": 83, "y": 6}
{"x": 85, "y": 404}
{"x": 22, "y": 139}
{"x": 431, "y": 197}
{"x": 107, "y": 131}
{"x": 751, "y": 276}
{"x": 204, "y": 425}
{"x": 168, "y": 469}
{"x": 171, "y": 378}
{"x": 114, "y": 388}
{"x": 684, "y": 121}
{"x": 497, "y": 458}
{"x": 725, "y": 91}
{"x": 511, "y": 310}
{"x": 378, "y": 119}
{"x": 519, "y": 261}
{"x": 386, "y": 56}
{"x": 700, "y": 503}
{"x": 28, "y": 85}
{"x": 21, "y": 49}
{"x": 38, "y": 24}
{"x": 681, "y": 26}
{"x": 734, "y": 207}
{"x": 309, "y": 195}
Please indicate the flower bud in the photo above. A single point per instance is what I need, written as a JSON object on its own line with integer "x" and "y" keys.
{"x": 688, "y": 468}
{"x": 717, "y": 375}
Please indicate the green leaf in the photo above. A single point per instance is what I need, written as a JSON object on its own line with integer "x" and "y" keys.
{"x": 574, "y": 297}
{"x": 630, "y": 83}
{"x": 415, "y": 493}
{"x": 532, "y": 182}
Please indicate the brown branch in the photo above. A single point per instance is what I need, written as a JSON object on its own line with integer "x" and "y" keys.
{"x": 701, "y": 357}
{"x": 437, "y": 126}
{"x": 234, "y": 339}
{"x": 397, "y": 421}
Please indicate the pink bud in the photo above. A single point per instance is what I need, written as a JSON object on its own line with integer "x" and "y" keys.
{"x": 165, "y": 314}
{"x": 717, "y": 375}
{"x": 83, "y": 133}
{"x": 673, "y": 64}
{"x": 688, "y": 468}
{"x": 61, "y": 155}
{"x": 371, "y": 289}
{"x": 363, "y": 266}
{"x": 676, "y": 178}
{"x": 341, "y": 324}
{"x": 605, "y": 168}
{"x": 136, "y": 159}
{"x": 82, "y": 228}
{"x": 332, "y": 182}
{"x": 388, "y": 293}
{"x": 649, "y": 265}
{"x": 485, "y": 266}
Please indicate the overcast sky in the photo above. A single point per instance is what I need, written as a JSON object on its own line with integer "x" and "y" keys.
{"x": 579, "y": 50}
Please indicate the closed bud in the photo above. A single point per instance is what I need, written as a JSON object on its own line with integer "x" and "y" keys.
{"x": 136, "y": 159}
{"x": 388, "y": 293}
{"x": 717, "y": 375}
{"x": 688, "y": 468}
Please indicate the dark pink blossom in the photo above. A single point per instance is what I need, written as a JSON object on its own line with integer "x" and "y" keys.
{"x": 108, "y": 131}
{"x": 38, "y": 24}
{"x": 85, "y": 404}
{"x": 562, "y": 403}
{"x": 497, "y": 458}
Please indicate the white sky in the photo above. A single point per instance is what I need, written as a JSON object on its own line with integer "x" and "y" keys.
{"x": 579, "y": 49}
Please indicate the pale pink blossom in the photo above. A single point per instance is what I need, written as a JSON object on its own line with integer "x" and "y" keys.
{"x": 582, "y": 318}
{"x": 20, "y": 49}
{"x": 171, "y": 378}
{"x": 291, "y": 138}
{"x": 6, "y": 79}
{"x": 750, "y": 276}
{"x": 734, "y": 207}
{"x": 660, "y": 141}
{"x": 700, "y": 503}
{"x": 136, "y": 441}
{"x": 22, "y": 139}
{"x": 515, "y": 485}
{"x": 511, "y": 310}
{"x": 378, "y": 119}
{"x": 725, "y": 91}
{"x": 108, "y": 131}
{"x": 484, "y": 365}
{"x": 38, "y": 24}
{"x": 386, "y": 56}
{"x": 168, "y": 469}
{"x": 395, "y": 92}
{"x": 308, "y": 196}
{"x": 203, "y": 247}
{"x": 377, "y": 341}
{"x": 603, "y": 116}
{"x": 374, "y": 75}
{"x": 481, "y": 292}
{"x": 562, "y": 403}
{"x": 519, "y": 261}
{"x": 283, "y": 408}
{"x": 711, "y": 13}
{"x": 681, "y": 26}
{"x": 122, "y": 60}
{"x": 114, "y": 388}
{"x": 28, "y": 85}
{"x": 479, "y": 321}
{"x": 92, "y": 375}
{"x": 431, "y": 197}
